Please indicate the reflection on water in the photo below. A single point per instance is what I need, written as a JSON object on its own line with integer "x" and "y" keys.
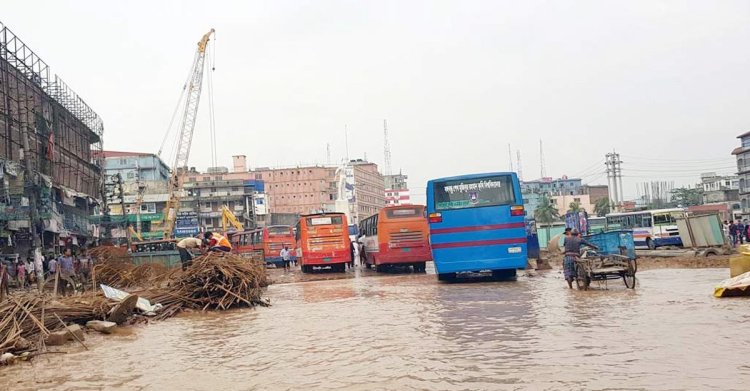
{"x": 409, "y": 332}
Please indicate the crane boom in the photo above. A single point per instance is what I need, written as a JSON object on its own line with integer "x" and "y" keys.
{"x": 185, "y": 138}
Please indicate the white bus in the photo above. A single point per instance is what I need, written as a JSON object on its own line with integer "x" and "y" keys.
{"x": 651, "y": 228}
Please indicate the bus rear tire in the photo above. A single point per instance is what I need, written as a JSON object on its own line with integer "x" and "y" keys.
{"x": 306, "y": 269}
{"x": 504, "y": 274}
{"x": 420, "y": 267}
{"x": 448, "y": 277}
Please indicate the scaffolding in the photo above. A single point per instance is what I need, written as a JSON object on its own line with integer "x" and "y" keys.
{"x": 40, "y": 115}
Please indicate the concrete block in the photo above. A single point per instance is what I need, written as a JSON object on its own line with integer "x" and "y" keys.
{"x": 101, "y": 326}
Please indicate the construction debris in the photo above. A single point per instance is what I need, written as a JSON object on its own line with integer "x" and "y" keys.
{"x": 29, "y": 321}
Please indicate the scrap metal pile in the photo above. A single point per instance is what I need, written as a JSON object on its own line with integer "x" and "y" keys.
{"x": 214, "y": 282}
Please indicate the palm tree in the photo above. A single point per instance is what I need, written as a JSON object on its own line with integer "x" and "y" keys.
{"x": 546, "y": 213}
{"x": 575, "y": 206}
{"x": 602, "y": 207}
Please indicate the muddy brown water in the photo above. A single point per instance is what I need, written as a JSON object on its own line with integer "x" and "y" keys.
{"x": 409, "y": 332}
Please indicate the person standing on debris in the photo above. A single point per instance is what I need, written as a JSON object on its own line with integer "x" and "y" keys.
{"x": 741, "y": 231}
{"x": 184, "y": 246}
{"x": 733, "y": 233}
{"x": 52, "y": 266}
{"x": 573, "y": 246}
{"x": 84, "y": 265}
{"x": 285, "y": 255}
{"x": 30, "y": 271}
{"x": 67, "y": 269}
{"x": 21, "y": 274}
{"x": 218, "y": 242}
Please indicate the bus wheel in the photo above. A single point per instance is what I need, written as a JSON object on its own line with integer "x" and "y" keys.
{"x": 380, "y": 268}
{"x": 448, "y": 277}
{"x": 420, "y": 267}
{"x": 650, "y": 243}
{"x": 504, "y": 274}
{"x": 306, "y": 269}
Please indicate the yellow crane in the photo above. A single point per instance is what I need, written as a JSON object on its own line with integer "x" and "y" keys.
{"x": 185, "y": 138}
{"x": 228, "y": 218}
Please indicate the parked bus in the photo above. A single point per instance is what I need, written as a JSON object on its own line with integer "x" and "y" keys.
{"x": 323, "y": 241}
{"x": 651, "y": 228}
{"x": 397, "y": 235}
{"x": 477, "y": 224}
{"x": 267, "y": 241}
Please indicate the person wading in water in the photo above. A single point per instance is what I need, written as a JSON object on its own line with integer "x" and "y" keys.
{"x": 573, "y": 245}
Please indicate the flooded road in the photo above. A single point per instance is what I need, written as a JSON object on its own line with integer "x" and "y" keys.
{"x": 409, "y": 332}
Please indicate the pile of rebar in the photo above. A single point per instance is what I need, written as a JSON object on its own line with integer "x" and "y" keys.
{"x": 215, "y": 281}
{"x": 27, "y": 318}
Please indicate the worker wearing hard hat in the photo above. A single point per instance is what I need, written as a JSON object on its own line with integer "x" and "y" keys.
{"x": 218, "y": 242}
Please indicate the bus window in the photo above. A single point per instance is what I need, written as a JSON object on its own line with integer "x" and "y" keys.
{"x": 473, "y": 193}
{"x": 404, "y": 212}
{"x": 324, "y": 220}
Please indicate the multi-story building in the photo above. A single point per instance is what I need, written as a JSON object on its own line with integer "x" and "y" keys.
{"x": 596, "y": 192}
{"x": 742, "y": 153}
{"x": 145, "y": 177}
{"x": 369, "y": 189}
{"x": 51, "y": 177}
{"x": 245, "y": 198}
{"x": 135, "y": 166}
{"x": 396, "y": 190}
{"x": 719, "y": 188}
{"x": 562, "y": 202}
{"x": 299, "y": 190}
{"x": 550, "y": 186}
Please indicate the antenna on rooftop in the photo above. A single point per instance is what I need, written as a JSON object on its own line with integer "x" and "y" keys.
{"x": 541, "y": 159}
{"x": 510, "y": 159}
{"x": 386, "y": 149}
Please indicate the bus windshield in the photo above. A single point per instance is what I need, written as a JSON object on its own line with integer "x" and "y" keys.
{"x": 474, "y": 193}
{"x": 404, "y": 212}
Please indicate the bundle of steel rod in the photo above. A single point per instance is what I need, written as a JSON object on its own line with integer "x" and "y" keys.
{"x": 27, "y": 317}
{"x": 220, "y": 281}
{"x": 214, "y": 282}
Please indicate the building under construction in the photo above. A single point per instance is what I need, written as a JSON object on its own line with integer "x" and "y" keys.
{"x": 50, "y": 182}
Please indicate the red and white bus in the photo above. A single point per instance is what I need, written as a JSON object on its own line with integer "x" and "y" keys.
{"x": 323, "y": 241}
{"x": 397, "y": 235}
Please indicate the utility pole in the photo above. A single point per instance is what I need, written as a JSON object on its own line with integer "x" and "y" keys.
{"x": 614, "y": 177}
{"x": 328, "y": 154}
{"x": 124, "y": 212}
{"x": 510, "y": 159}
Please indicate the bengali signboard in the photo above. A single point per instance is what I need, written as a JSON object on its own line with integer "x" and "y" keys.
{"x": 186, "y": 224}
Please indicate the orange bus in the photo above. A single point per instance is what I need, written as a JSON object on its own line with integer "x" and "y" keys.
{"x": 323, "y": 240}
{"x": 268, "y": 240}
{"x": 397, "y": 235}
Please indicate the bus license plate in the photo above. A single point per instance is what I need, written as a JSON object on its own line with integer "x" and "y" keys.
{"x": 514, "y": 250}
{"x": 406, "y": 249}
{"x": 326, "y": 259}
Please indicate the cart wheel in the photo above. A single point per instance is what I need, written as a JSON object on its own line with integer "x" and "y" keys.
{"x": 629, "y": 276}
{"x": 582, "y": 278}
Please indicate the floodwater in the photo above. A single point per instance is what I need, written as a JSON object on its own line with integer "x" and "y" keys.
{"x": 409, "y": 332}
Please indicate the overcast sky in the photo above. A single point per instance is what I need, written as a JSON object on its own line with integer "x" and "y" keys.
{"x": 665, "y": 83}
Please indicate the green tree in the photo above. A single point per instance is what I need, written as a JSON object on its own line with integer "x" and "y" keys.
{"x": 546, "y": 213}
{"x": 684, "y": 196}
{"x": 575, "y": 206}
{"x": 602, "y": 206}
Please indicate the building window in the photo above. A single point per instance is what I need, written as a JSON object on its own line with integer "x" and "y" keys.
{"x": 207, "y": 205}
{"x": 206, "y": 178}
{"x": 149, "y": 207}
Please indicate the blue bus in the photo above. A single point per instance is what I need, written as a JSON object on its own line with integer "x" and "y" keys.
{"x": 477, "y": 224}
